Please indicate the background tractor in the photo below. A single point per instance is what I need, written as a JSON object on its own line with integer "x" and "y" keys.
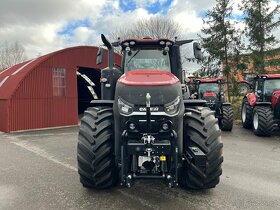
{"x": 143, "y": 127}
{"x": 211, "y": 90}
{"x": 261, "y": 108}
{"x": 245, "y": 85}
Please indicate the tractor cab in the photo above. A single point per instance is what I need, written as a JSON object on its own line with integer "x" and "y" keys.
{"x": 266, "y": 86}
{"x": 155, "y": 54}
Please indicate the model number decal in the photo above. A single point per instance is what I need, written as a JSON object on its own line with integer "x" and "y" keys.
{"x": 153, "y": 109}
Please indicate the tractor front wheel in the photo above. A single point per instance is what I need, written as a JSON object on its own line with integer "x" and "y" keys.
{"x": 201, "y": 130}
{"x": 227, "y": 119}
{"x": 95, "y": 148}
{"x": 263, "y": 121}
{"x": 246, "y": 114}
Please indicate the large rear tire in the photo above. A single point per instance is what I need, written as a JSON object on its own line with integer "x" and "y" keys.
{"x": 227, "y": 119}
{"x": 263, "y": 121}
{"x": 201, "y": 130}
{"x": 243, "y": 88}
{"x": 95, "y": 148}
{"x": 247, "y": 114}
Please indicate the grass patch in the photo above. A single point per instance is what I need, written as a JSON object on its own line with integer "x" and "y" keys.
{"x": 236, "y": 102}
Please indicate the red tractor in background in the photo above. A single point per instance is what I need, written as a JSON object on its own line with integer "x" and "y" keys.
{"x": 211, "y": 90}
{"x": 261, "y": 108}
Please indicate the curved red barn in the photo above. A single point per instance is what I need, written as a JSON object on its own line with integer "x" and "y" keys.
{"x": 43, "y": 92}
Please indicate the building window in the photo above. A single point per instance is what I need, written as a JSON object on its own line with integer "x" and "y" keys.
{"x": 59, "y": 83}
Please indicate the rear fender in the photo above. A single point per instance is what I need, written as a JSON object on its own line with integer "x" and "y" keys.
{"x": 275, "y": 98}
{"x": 252, "y": 99}
{"x": 243, "y": 81}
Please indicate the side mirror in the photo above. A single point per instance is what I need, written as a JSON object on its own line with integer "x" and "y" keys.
{"x": 259, "y": 92}
{"x": 99, "y": 58}
{"x": 197, "y": 51}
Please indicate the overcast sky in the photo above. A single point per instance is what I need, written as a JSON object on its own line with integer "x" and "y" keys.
{"x": 43, "y": 26}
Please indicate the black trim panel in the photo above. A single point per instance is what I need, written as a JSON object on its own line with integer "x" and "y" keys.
{"x": 194, "y": 102}
{"x": 102, "y": 102}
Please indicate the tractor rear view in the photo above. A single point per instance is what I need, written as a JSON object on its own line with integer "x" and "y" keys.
{"x": 211, "y": 90}
{"x": 143, "y": 127}
{"x": 261, "y": 108}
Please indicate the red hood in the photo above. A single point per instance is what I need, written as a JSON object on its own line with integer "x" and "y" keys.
{"x": 209, "y": 94}
{"x": 148, "y": 78}
{"x": 275, "y": 98}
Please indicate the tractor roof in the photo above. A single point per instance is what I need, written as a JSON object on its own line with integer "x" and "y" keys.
{"x": 269, "y": 76}
{"x": 209, "y": 80}
{"x": 147, "y": 41}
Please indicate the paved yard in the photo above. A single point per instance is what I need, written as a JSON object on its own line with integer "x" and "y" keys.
{"x": 38, "y": 170}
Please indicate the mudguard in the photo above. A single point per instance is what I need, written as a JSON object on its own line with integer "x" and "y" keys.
{"x": 275, "y": 98}
{"x": 244, "y": 81}
{"x": 252, "y": 99}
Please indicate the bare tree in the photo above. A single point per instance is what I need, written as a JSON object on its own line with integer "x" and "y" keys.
{"x": 11, "y": 54}
{"x": 154, "y": 27}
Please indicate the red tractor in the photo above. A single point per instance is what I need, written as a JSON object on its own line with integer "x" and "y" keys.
{"x": 211, "y": 90}
{"x": 143, "y": 127}
{"x": 261, "y": 108}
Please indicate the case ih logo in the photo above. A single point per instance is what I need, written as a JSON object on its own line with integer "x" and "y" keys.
{"x": 153, "y": 109}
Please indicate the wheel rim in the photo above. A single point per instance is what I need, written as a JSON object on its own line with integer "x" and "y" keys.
{"x": 243, "y": 90}
{"x": 243, "y": 113}
{"x": 256, "y": 121}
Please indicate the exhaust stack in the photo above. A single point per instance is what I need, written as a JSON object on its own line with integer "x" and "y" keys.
{"x": 110, "y": 51}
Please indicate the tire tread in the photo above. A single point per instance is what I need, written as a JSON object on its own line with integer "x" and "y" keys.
{"x": 95, "y": 148}
{"x": 201, "y": 129}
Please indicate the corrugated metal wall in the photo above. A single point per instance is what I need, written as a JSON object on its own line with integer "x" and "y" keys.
{"x": 4, "y": 115}
{"x": 33, "y": 105}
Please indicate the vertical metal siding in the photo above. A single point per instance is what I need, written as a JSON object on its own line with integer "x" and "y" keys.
{"x": 4, "y": 115}
{"x": 33, "y": 105}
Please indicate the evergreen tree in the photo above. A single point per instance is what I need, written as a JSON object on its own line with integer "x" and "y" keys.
{"x": 220, "y": 40}
{"x": 260, "y": 22}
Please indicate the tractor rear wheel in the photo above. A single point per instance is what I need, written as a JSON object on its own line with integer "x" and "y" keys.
{"x": 263, "y": 121}
{"x": 227, "y": 119}
{"x": 95, "y": 148}
{"x": 246, "y": 114}
{"x": 201, "y": 130}
{"x": 243, "y": 88}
